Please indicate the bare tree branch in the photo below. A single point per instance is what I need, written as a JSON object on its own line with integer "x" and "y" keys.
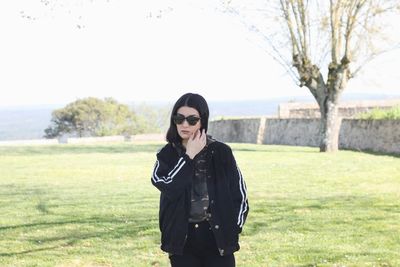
{"x": 299, "y": 30}
{"x": 303, "y": 19}
{"x": 276, "y": 53}
{"x": 351, "y": 19}
{"x": 335, "y": 30}
{"x": 285, "y": 9}
{"x": 371, "y": 57}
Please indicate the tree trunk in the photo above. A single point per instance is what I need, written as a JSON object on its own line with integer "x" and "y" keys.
{"x": 327, "y": 96}
{"x": 330, "y": 126}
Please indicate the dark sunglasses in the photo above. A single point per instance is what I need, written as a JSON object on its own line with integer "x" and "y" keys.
{"x": 179, "y": 119}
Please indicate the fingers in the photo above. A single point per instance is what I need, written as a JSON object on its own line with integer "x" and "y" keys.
{"x": 196, "y": 143}
{"x": 193, "y": 136}
{"x": 199, "y": 135}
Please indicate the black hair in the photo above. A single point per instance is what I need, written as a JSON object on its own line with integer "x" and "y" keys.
{"x": 195, "y": 101}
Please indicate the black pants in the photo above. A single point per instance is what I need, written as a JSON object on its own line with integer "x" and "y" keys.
{"x": 201, "y": 249}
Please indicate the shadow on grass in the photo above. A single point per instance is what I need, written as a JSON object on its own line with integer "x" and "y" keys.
{"x": 115, "y": 229}
{"x": 372, "y": 152}
{"x": 90, "y": 220}
{"x": 289, "y": 214}
{"x": 272, "y": 148}
{"x": 80, "y": 149}
{"x": 276, "y": 150}
{"x": 133, "y": 148}
{"x": 29, "y": 251}
{"x": 302, "y": 149}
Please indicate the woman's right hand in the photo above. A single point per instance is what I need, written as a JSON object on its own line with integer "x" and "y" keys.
{"x": 196, "y": 143}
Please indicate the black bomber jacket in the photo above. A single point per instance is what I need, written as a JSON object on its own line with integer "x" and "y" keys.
{"x": 229, "y": 207}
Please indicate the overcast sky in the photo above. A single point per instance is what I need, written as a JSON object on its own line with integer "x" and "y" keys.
{"x": 144, "y": 51}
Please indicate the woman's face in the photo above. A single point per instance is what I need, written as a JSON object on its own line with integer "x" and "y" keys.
{"x": 185, "y": 130}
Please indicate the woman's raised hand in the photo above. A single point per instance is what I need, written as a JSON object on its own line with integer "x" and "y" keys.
{"x": 196, "y": 143}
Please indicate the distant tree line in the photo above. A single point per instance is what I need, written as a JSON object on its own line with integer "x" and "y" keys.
{"x": 93, "y": 117}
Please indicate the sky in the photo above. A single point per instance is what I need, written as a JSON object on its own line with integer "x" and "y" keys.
{"x": 54, "y": 52}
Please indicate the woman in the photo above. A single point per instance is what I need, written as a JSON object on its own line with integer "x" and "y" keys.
{"x": 203, "y": 202}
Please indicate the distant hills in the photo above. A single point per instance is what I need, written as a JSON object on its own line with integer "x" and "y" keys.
{"x": 24, "y": 123}
{"x": 29, "y": 122}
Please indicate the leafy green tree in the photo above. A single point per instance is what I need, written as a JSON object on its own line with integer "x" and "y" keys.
{"x": 93, "y": 117}
{"x": 153, "y": 118}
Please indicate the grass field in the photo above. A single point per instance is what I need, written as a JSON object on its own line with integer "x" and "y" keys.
{"x": 94, "y": 205}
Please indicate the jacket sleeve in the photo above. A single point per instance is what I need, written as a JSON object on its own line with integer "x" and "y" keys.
{"x": 239, "y": 192}
{"x": 172, "y": 178}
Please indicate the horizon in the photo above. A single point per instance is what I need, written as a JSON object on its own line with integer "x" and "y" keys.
{"x": 29, "y": 122}
{"x": 346, "y": 96}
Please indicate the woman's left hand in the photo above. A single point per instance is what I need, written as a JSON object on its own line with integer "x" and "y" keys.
{"x": 196, "y": 143}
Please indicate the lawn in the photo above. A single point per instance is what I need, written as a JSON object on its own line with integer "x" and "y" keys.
{"x": 94, "y": 205}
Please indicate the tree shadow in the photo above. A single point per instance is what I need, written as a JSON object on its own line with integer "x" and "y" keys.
{"x": 115, "y": 229}
{"x": 288, "y": 212}
{"x": 89, "y": 220}
{"x": 29, "y": 251}
{"x": 268, "y": 148}
{"x": 367, "y": 151}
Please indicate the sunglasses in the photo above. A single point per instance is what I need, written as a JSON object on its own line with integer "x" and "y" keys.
{"x": 179, "y": 119}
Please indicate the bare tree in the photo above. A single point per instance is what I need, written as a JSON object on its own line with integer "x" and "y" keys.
{"x": 322, "y": 44}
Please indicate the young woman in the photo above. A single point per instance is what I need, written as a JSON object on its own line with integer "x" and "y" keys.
{"x": 203, "y": 201}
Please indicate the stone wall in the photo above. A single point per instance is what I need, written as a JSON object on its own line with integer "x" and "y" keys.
{"x": 373, "y": 135}
{"x": 294, "y": 132}
{"x": 88, "y": 140}
{"x": 30, "y": 142}
{"x": 363, "y": 135}
{"x": 236, "y": 130}
{"x": 347, "y": 109}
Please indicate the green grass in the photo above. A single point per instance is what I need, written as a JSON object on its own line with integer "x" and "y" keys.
{"x": 94, "y": 205}
{"x": 382, "y": 114}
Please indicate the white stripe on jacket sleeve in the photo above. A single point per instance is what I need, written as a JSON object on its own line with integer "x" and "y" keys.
{"x": 243, "y": 204}
{"x": 167, "y": 179}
